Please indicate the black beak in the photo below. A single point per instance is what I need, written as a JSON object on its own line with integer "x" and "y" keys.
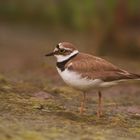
{"x": 50, "y": 54}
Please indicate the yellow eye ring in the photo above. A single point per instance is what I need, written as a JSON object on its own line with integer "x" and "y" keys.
{"x": 62, "y": 51}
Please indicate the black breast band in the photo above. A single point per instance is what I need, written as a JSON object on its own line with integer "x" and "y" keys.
{"x": 61, "y": 65}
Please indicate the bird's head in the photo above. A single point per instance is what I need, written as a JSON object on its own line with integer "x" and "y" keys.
{"x": 63, "y": 51}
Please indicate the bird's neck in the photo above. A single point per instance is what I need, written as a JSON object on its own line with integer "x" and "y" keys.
{"x": 61, "y": 58}
{"x": 61, "y": 65}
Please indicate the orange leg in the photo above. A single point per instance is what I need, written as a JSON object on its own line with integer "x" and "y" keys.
{"x": 99, "y": 111}
{"x": 82, "y": 108}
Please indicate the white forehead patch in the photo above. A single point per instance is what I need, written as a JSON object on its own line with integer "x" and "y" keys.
{"x": 55, "y": 49}
{"x": 60, "y": 44}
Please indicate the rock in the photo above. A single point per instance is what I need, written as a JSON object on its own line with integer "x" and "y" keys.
{"x": 43, "y": 95}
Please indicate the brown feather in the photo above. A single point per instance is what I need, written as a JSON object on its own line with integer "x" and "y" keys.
{"x": 93, "y": 67}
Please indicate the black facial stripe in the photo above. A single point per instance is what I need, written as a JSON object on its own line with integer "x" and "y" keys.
{"x": 61, "y": 65}
{"x": 57, "y": 46}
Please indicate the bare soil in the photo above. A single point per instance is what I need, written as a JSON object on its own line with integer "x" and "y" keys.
{"x": 37, "y": 105}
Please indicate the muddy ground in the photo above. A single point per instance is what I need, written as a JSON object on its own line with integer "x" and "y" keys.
{"x": 37, "y": 105}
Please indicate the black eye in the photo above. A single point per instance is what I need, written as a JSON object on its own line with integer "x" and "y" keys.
{"x": 62, "y": 51}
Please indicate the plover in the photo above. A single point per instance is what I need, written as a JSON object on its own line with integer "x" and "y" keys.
{"x": 84, "y": 71}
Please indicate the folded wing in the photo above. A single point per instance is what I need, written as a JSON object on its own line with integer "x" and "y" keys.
{"x": 92, "y": 67}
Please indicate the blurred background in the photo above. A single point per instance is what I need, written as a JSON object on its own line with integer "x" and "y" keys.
{"x": 29, "y": 29}
{"x": 35, "y": 102}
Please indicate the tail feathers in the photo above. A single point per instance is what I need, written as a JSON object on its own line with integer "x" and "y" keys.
{"x": 134, "y": 76}
{"x": 127, "y": 75}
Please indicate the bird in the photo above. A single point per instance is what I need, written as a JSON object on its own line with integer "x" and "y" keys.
{"x": 84, "y": 72}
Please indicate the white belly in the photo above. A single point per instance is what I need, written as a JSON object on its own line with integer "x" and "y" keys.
{"x": 75, "y": 80}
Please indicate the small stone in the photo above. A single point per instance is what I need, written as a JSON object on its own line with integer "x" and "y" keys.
{"x": 43, "y": 95}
